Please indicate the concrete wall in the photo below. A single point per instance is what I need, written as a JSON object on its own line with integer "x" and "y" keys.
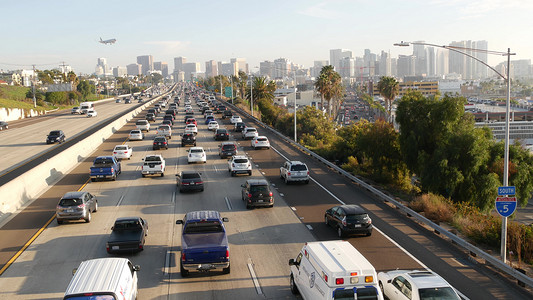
{"x": 29, "y": 186}
{"x": 12, "y": 114}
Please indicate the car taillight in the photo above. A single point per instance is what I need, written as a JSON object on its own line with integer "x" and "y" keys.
{"x": 112, "y": 170}
{"x": 307, "y": 172}
{"x": 339, "y": 280}
{"x": 288, "y": 173}
{"x": 114, "y": 152}
{"x": 81, "y": 206}
{"x": 164, "y": 143}
{"x": 270, "y": 194}
{"x": 155, "y": 143}
{"x": 140, "y": 246}
{"x": 344, "y": 221}
{"x": 227, "y": 254}
{"x": 183, "y": 256}
{"x": 249, "y": 195}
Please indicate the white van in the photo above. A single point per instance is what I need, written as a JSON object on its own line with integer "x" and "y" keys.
{"x": 111, "y": 278}
{"x": 85, "y": 106}
{"x": 333, "y": 270}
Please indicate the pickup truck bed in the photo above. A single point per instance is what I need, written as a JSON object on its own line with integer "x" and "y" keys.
{"x": 127, "y": 235}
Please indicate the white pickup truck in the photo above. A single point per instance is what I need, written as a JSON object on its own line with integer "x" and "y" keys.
{"x": 153, "y": 164}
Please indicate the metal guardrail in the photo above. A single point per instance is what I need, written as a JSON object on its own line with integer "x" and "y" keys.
{"x": 475, "y": 251}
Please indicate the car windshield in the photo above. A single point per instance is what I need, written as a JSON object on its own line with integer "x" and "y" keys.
{"x": 241, "y": 160}
{"x": 55, "y": 133}
{"x": 143, "y": 122}
{"x": 203, "y": 227}
{"x": 70, "y": 202}
{"x": 190, "y": 176}
{"x": 298, "y": 168}
{"x": 444, "y": 293}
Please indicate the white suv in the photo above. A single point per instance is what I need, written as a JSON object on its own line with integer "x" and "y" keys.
{"x": 239, "y": 164}
{"x": 143, "y": 125}
{"x": 260, "y": 142}
{"x": 403, "y": 284}
{"x": 294, "y": 171}
{"x": 249, "y": 133}
{"x": 196, "y": 154}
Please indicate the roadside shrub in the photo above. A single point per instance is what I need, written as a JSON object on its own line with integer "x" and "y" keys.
{"x": 435, "y": 207}
{"x": 480, "y": 228}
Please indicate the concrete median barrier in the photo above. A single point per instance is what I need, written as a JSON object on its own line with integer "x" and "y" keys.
{"x": 27, "y": 187}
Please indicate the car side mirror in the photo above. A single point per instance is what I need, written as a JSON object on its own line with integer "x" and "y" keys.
{"x": 179, "y": 222}
{"x": 242, "y": 185}
{"x": 225, "y": 219}
{"x": 74, "y": 271}
{"x": 136, "y": 268}
{"x": 389, "y": 281}
{"x": 292, "y": 262}
{"x": 112, "y": 227}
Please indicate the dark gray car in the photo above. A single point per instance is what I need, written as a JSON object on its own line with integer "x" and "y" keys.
{"x": 256, "y": 192}
{"x": 76, "y": 206}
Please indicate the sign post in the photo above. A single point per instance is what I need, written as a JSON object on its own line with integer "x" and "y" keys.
{"x": 505, "y": 206}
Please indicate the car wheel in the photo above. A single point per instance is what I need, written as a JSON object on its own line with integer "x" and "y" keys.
{"x": 143, "y": 175}
{"x": 381, "y": 286}
{"x": 114, "y": 177}
{"x": 307, "y": 182}
{"x": 369, "y": 233}
{"x": 226, "y": 270}
{"x": 294, "y": 288}
{"x": 286, "y": 180}
{"x": 163, "y": 174}
{"x": 250, "y": 173}
{"x": 340, "y": 232}
{"x": 248, "y": 206}
{"x": 184, "y": 273}
{"x": 232, "y": 174}
{"x": 88, "y": 218}
{"x": 59, "y": 222}
{"x": 93, "y": 179}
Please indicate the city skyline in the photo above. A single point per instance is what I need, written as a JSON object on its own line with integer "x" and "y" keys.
{"x": 301, "y": 31}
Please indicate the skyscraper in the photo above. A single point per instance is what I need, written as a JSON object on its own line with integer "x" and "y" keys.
{"x": 335, "y": 56}
{"x": 161, "y": 66}
{"x": 346, "y": 67}
{"x": 134, "y": 69}
{"x": 282, "y": 68}
{"x": 178, "y": 64}
{"x": 146, "y": 62}
{"x": 317, "y": 67}
{"x": 211, "y": 68}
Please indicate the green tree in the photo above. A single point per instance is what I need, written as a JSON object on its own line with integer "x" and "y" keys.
{"x": 242, "y": 84}
{"x": 388, "y": 88}
{"x": 329, "y": 86}
{"x": 263, "y": 88}
{"x": 85, "y": 88}
{"x": 313, "y": 128}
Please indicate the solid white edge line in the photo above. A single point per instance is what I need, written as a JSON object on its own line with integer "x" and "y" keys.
{"x": 167, "y": 262}
{"x": 382, "y": 233}
{"x": 173, "y": 199}
{"x": 254, "y": 279}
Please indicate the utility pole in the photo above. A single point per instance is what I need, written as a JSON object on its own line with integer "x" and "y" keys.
{"x": 33, "y": 87}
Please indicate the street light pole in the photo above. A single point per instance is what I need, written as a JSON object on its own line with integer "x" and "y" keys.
{"x": 507, "y": 78}
{"x": 251, "y": 95}
{"x": 295, "y": 135}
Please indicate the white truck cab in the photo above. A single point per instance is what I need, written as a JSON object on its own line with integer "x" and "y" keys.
{"x": 333, "y": 270}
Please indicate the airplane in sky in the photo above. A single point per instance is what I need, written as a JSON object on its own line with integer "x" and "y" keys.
{"x": 107, "y": 42}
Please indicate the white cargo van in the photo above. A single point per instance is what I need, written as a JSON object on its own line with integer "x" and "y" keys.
{"x": 85, "y": 106}
{"x": 333, "y": 270}
{"x": 111, "y": 278}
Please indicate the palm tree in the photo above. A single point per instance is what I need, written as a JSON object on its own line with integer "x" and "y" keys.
{"x": 329, "y": 85}
{"x": 263, "y": 88}
{"x": 242, "y": 84}
{"x": 389, "y": 88}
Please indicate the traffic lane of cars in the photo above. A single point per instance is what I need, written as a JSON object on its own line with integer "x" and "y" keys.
{"x": 252, "y": 234}
{"x": 439, "y": 255}
{"x": 34, "y": 141}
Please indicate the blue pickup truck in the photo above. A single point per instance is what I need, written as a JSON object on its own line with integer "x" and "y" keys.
{"x": 204, "y": 244}
{"x": 105, "y": 167}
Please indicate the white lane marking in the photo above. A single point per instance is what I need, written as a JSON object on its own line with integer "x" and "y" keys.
{"x": 120, "y": 201}
{"x": 282, "y": 195}
{"x": 215, "y": 167}
{"x": 455, "y": 260}
{"x": 293, "y": 208}
{"x": 167, "y": 262}
{"x": 382, "y": 233}
{"x": 254, "y": 277}
{"x": 228, "y": 203}
{"x": 173, "y": 199}
{"x": 309, "y": 227}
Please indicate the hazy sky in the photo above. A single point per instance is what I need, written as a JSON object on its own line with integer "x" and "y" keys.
{"x": 48, "y": 32}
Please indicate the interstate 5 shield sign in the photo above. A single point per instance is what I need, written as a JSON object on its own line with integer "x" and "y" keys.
{"x": 505, "y": 206}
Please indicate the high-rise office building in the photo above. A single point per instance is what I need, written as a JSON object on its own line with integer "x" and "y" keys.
{"x": 406, "y": 65}
{"x": 178, "y": 64}
{"x": 317, "y": 67}
{"x": 385, "y": 64}
{"x": 161, "y": 66}
{"x": 282, "y": 68}
{"x": 134, "y": 69}
{"x": 227, "y": 68}
{"x": 190, "y": 69}
{"x": 266, "y": 68}
{"x": 346, "y": 67}
{"x": 211, "y": 68}
{"x": 147, "y": 63}
{"x": 240, "y": 64}
{"x": 120, "y": 71}
{"x": 335, "y": 56}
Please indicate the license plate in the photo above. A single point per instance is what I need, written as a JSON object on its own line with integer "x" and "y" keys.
{"x": 100, "y": 176}
{"x": 152, "y": 172}
{"x": 115, "y": 248}
{"x": 70, "y": 210}
{"x": 259, "y": 200}
{"x": 357, "y": 225}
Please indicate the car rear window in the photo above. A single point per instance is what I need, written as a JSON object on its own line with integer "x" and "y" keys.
{"x": 190, "y": 176}
{"x": 228, "y": 147}
{"x": 298, "y": 168}
{"x": 121, "y": 148}
{"x": 251, "y": 130}
{"x": 70, "y": 202}
{"x": 160, "y": 139}
{"x": 259, "y": 189}
{"x": 356, "y": 218}
{"x": 141, "y": 122}
{"x": 103, "y": 161}
{"x": 152, "y": 158}
{"x": 262, "y": 139}
{"x": 55, "y": 133}
{"x": 222, "y": 131}
{"x": 196, "y": 150}
{"x": 241, "y": 160}
{"x": 203, "y": 227}
{"x": 135, "y": 131}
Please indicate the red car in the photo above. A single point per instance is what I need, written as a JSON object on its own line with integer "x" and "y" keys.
{"x": 192, "y": 121}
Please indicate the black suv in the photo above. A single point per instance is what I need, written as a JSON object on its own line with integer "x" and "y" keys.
{"x": 55, "y": 136}
{"x": 256, "y": 192}
{"x": 190, "y": 181}
{"x": 169, "y": 117}
{"x": 239, "y": 126}
{"x": 349, "y": 219}
{"x": 221, "y": 134}
{"x": 227, "y": 149}
{"x": 188, "y": 139}
{"x": 227, "y": 114}
{"x": 150, "y": 117}
{"x": 160, "y": 142}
